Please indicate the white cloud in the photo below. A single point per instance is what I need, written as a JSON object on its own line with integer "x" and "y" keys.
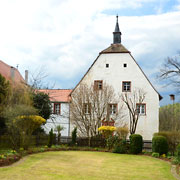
{"x": 66, "y": 36}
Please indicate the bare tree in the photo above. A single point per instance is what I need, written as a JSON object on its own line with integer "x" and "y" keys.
{"x": 133, "y": 102}
{"x": 38, "y": 79}
{"x": 89, "y": 107}
{"x": 170, "y": 71}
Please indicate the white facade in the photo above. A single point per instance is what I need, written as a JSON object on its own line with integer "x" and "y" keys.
{"x": 115, "y": 74}
{"x": 61, "y": 119}
{"x": 115, "y": 66}
{"x": 60, "y": 110}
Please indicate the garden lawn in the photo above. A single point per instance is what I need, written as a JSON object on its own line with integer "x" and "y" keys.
{"x": 83, "y": 165}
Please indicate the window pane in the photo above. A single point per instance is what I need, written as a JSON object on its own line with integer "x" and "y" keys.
{"x": 143, "y": 109}
{"x": 112, "y": 108}
{"x": 57, "y": 108}
{"x": 98, "y": 85}
{"x": 86, "y": 108}
{"x": 140, "y": 108}
{"x": 126, "y": 86}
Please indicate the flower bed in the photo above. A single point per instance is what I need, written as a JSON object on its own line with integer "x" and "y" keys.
{"x": 9, "y": 157}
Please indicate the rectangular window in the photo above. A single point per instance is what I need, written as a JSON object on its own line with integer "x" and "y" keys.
{"x": 112, "y": 109}
{"x": 126, "y": 86}
{"x": 141, "y": 109}
{"x": 86, "y": 108}
{"x": 98, "y": 85}
{"x": 57, "y": 108}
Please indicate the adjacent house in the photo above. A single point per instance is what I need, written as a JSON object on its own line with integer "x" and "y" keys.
{"x": 60, "y": 100}
{"x": 117, "y": 67}
{"x": 10, "y": 73}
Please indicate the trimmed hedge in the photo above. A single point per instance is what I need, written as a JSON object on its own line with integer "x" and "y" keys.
{"x": 160, "y": 145}
{"x": 136, "y": 143}
{"x": 172, "y": 139}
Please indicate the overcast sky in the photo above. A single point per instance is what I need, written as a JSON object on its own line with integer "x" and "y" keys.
{"x": 64, "y": 37}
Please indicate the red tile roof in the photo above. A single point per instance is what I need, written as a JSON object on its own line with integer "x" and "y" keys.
{"x": 58, "y": 95}
{"x": 10, "y": 73}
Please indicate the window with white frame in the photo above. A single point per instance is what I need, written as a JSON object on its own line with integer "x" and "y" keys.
{"x": 112, "y": 109}
{"x": 57, "y": 108}
{"x": 126, "y": 86}
{"x": 86, "y": 108}
{"x": 141, "y": 109}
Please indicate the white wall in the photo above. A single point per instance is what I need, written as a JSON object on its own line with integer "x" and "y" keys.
{"x": 115, "y": 74}
{"x": 62, "y": 119}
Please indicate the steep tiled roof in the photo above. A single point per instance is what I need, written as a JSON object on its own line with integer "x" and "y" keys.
{"x": 115, "y": 48}
{"x": 57, "y": 95}
{"x": 10, "y": 73}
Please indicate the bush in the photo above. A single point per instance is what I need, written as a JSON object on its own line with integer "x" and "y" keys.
{"x": 120, "y": 147}
{"x": 155, "y": 154}
{"x": 160, "y": 145}
{"x": 136, "y": 143}
{"x": 74, "y": 136}
{"x": 122, "y": 132}
{"x": 178, "y": 152}
{"x": 107, "y": 130}
{"x": 111, "y": 141}
{"x": 175, "y": 161}
{"x": 172, "y": 139}
{"x": 50, "y": 138}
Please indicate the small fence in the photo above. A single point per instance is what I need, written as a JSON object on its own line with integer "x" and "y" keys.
{"x": 42, "y": 140}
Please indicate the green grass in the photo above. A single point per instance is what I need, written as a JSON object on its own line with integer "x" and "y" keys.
{"x": 82, "y": 165}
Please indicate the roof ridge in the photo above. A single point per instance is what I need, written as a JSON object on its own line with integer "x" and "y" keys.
{"x": 6, "y": 64}
{"x": 115, "y": 48}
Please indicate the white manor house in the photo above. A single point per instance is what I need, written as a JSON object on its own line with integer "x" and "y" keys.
{"x": 116, "y": 67}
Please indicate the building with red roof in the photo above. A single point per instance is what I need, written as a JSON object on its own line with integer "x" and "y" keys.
{"x": 60, "y": 100}
{"x": 10, "y": 73}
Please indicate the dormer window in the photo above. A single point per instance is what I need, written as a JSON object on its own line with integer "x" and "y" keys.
{"x": 98, "y": 85}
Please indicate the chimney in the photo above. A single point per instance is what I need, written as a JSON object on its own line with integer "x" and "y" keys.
{"x": 26, "y": 76}
{"x": 12, "y": 72}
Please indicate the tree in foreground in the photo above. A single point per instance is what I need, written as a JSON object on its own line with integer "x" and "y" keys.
{"x": 134, "y": 103}
{"x": 5, "y": 93}
{"x": 21, "y": 121}
{"x": 90, "y": 106}
{"x": 42, "y": 103}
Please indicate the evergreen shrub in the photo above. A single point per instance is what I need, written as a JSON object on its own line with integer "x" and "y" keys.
{"x": 136, "y": 143}
{"x": 172, "y": 139}
{"x": 50, "y": 138}
{"x": 120, "y": 147}
{"x": 111, "y": 141}
{"x": 160, "y": 145}
{"x": 74, "y": 136}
